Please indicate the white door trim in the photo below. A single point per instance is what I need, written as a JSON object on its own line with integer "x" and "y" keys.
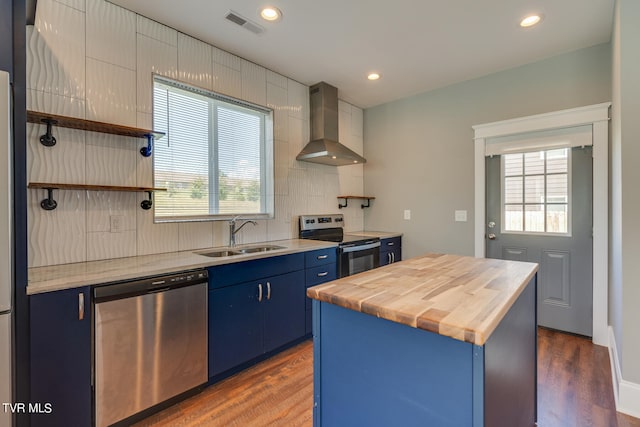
{"x": 597, "y": 116}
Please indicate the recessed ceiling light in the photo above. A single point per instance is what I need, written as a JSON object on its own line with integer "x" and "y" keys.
{"x": 530, "y": 21}
{"x": 270, "y": 13}
{"x": 373, "y": 76}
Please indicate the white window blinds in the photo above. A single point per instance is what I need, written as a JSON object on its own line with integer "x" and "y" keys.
{"x": 213, "y": 160}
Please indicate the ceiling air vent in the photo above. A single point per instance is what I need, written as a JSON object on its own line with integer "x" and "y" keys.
{"x": 238, "y": 19}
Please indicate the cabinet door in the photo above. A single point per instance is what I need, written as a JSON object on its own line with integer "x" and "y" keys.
{"x": 284, "y": 310}
{"x": 61, "y": 358}
{"x": 235, "y": 326}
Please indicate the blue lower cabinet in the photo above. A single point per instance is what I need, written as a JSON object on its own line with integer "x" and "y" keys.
{"x": 321, "y": 267}
{"x": 249, "y": 319}
{"x": 235, "y": 327}
{"x": 60, "y": 358}
{"x": 284, "y": 310}
{"x": 390, "y": 250}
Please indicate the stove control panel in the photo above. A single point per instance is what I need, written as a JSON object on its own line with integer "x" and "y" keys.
{"x": 319, "y": 222}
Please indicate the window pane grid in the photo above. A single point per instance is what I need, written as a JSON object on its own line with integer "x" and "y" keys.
{"x": 536, "y": 192}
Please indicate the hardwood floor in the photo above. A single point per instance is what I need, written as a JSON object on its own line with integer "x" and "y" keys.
{"x": 574, "y": 390}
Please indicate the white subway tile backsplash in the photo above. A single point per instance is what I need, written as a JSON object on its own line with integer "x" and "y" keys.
{"x": 76, "y": 4}
{"x": 57, "y": 236}
{"x": 144, "y": 120}
{"x": 227, "y": 81}
{"x": 102, "y": 205}
{"x": 110, "y": 80}
{"x": 194, "y": 62}
{"x": 62, "y": 163}
{"x": 154, "y": 238}
{"x": 156, "y": 31}
{"x": 144, "y": 169}
{"x": 277, "y": 79}
{"x": 111, "y": 160}
{"x": 254, "y": 81}
{"x": 195, "y": 235}
{"x": 55, "y": 104}
{"x": 277, "y": 100}
{"x": 111, "y": 34}
{"x": 111, "y": 93}
{"x": 56, "y": 50}
{"x": 298, "y": 100}
{"x": 106, "y": 245}
{"x": 226, "y": 59}
{"x": 154, "y": 57}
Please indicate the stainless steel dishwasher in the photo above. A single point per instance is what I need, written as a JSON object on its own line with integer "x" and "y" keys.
{"x": 150, "y": 343}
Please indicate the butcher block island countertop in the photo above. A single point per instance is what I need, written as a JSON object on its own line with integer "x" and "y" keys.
{"x": 436, "y": 340}
{"x": 461, "y": 297}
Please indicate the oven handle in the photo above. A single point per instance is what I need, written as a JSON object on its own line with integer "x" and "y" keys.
{"x": 357, "y": 248}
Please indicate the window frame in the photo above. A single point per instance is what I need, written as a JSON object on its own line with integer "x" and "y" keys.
{"x": 524, "y": 204}
{"x": 267, "y": 150}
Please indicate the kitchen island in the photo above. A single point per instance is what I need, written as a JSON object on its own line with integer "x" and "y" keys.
{"x": 436, "y": 340}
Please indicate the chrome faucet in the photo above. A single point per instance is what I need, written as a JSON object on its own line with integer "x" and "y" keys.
{"x": 233, "y": 230}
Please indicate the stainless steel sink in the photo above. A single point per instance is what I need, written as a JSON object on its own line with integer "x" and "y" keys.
{"x": 217, "y": 254}
{"x": 240, "y": 251}
{"x": 253, "y": 249}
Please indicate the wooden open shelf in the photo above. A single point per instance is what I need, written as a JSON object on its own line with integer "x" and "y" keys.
{"x": 91, "y": 187}
{"x": 48, "y": 140}
{"x": 50, "y": 204}
{"x": 347, "y": 198}
{"x": 90, "y": 125}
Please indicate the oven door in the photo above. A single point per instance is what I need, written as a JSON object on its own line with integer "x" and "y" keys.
{"x": 359, "y": 257}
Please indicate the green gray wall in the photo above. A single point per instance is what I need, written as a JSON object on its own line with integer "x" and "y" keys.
{"x": 420, "y": 150}
{"x": 624, "y": 277}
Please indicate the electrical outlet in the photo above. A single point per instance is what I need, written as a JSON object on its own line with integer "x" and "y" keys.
{"x": 461, "y": 216}
{"x": 407, "y": 214}
{"x": 117, "y": 223}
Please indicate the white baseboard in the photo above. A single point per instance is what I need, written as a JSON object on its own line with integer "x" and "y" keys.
{"x": 627, "y": 394}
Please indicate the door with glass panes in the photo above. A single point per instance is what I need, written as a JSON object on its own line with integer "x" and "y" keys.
{"x": 539, "y": 209}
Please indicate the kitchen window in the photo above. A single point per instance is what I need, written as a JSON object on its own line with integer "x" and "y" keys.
{"x": 216, "y": 160}
{"x": 536, "y": 192}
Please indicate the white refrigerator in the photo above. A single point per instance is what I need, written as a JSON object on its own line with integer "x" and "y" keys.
{"x": 6, "y": 250}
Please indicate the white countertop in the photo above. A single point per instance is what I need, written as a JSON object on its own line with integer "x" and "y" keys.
{"x": 67, "y": 276}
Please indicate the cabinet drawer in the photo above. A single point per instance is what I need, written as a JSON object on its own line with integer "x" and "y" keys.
{"x": 245, "y": 271}
{"x": 390, "y": 244}
{"x": 320, "y": 257}
{"x": 323, "y": 273}
{"x": 318, "y": 275}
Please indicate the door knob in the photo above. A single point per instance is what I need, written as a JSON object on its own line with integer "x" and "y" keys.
{"x": 492, "y": 236}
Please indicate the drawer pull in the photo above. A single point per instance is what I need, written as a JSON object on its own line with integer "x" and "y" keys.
{"x": 323, "y": 256}
{"x": 324, "y": 273}
{"x": 81, "y": 306}
{"x": 390, "y": 244}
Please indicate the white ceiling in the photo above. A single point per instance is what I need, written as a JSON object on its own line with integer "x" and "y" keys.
{"x": 417, "y": 45}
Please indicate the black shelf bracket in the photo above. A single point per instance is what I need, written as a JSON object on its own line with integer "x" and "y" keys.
{"x": 48, "y": 140}
{"x": 146, "y": 151}
{"x": 346, "y": 202}
{"x": 146, "y": 204}
{"x": 49, "y": 204}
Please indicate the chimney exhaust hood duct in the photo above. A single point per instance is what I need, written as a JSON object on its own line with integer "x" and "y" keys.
{"x": 324, "y": 147}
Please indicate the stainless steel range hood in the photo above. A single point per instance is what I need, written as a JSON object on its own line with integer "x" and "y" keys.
{"x": 324, "y": 147}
